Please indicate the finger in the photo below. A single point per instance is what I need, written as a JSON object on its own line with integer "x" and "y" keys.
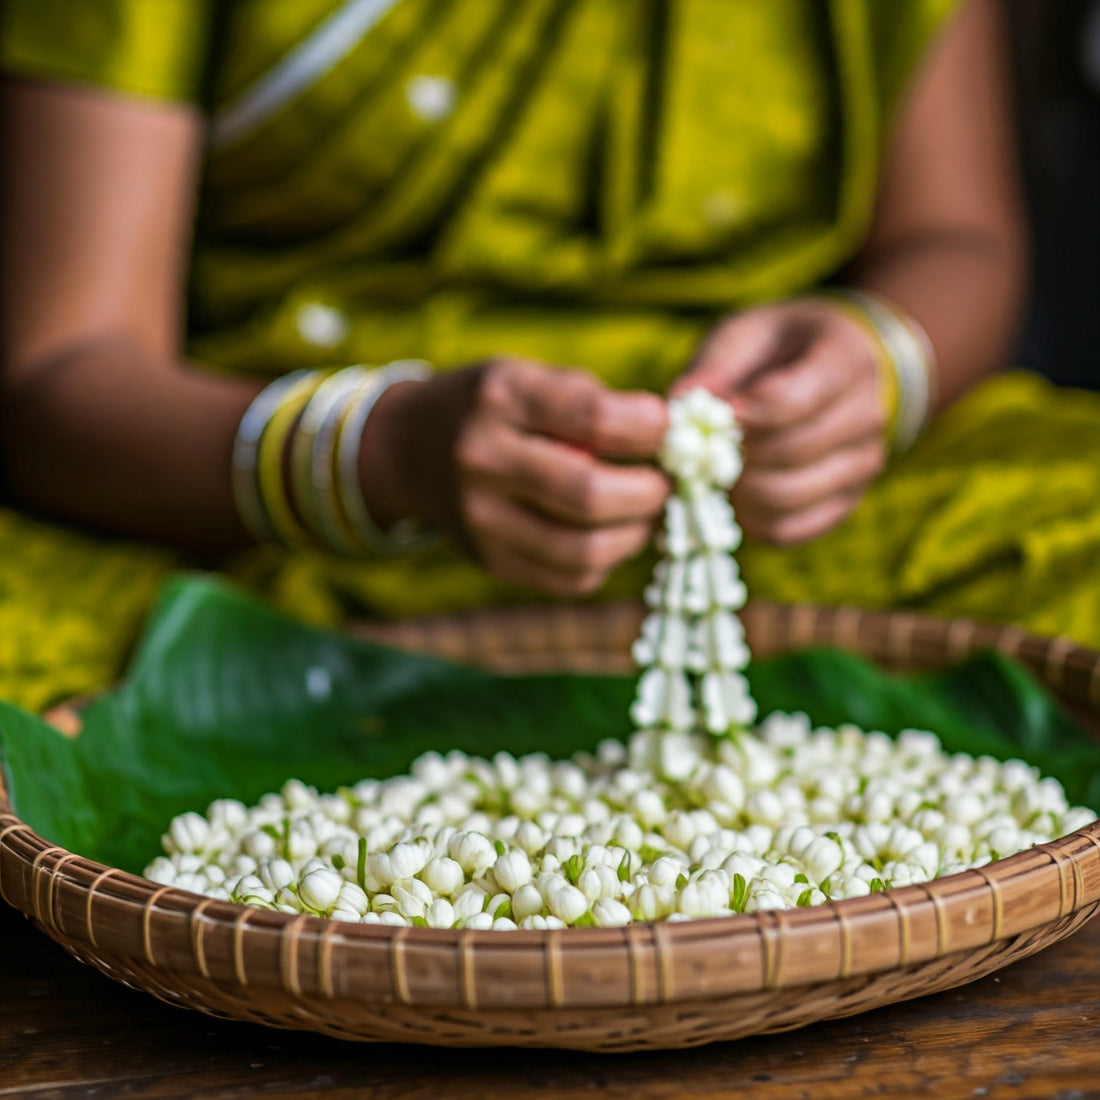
{"x": 769, "y": 490}
{"x": 494, "y": 520}
{"x": 801, "y": 526}
{"x": 574, "y": 407}
{"x": 735, "y": 350}
{"x": 561, "y": 481}
{"x": 854, "y": 415}
{"x": 793, "y": 393}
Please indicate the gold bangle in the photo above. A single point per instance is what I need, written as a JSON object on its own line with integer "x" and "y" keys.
{"x": 912, "y": 357}
{"x": 272, "y": 455}
{"x": 312, "y": 460}
{"x": 405, "y": 535}
{"x": 887, "y": 373}
{"x": 244, "y": 472}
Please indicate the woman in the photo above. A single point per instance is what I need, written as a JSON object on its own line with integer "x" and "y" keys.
{"x": 651, "y": 193}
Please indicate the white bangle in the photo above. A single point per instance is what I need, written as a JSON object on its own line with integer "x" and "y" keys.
{"x": 246, "y": 448}
{"x": 912, "y": 357}
{"x": 405, "y": 534}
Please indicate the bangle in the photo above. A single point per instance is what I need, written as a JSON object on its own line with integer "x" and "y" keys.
{"x": 246, "y": 445}
{"x": 312, "y": 454}
{"x": 887, "y": 374}
{"x": 911, "y": 356}
{"x": 405, "y": 534}
{"x": 271, "y": 457}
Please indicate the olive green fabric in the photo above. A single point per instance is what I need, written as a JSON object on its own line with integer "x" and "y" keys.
{"x": 613, "y": 174}
{"x": 587, "y": 182}
{"x": 155, "y": 48}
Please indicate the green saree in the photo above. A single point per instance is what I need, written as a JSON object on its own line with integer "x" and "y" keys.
{"x": 587, "y": 182}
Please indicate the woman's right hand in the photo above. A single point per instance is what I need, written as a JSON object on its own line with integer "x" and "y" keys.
{"x": 509, "y": 456}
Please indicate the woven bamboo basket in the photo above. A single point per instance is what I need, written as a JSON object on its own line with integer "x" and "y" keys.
{"x": 644, "y": 986}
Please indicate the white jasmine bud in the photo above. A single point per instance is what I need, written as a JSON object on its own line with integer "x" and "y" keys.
{"x": 319, "y": 889}
{"x": 648, "y": 808}
{"x": 761, "y": 897}
{"x": 609, "y": 913}
{"x": 349, "y": 916}
{"x": 276, "y": 873}
{"x": 187, "y": 833}
{"x": 567, "y": 903}
{"x": 161, "y": 870}
{"x": 259, "y": 845}
{"x": 764, "y": 805}
{"x": 352, "y": 897}
{"x": 440, "y": 914}
{"x": 297, "y": 796}
{"x": 470, "y": 900}
{"x": 1074, "y": 819}
{"x": 653, "y": 902}
{"x": 472, "y": 851}
{"x": 227, "y": 814}
{"x": 408, "y": 903}
{"x": 526, "y": 901}
{"x": 442, "y": 875}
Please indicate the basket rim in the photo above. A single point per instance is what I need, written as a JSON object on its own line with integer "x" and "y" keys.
{"x": 667, "y": 961}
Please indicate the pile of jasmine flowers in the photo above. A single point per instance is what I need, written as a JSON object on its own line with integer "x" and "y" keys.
{"x": 695, "y": 816}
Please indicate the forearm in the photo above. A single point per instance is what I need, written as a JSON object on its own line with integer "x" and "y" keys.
{"x": 965, "y": 288}
{"x": 948, "y": 243}
{"x": 104, "y": 437}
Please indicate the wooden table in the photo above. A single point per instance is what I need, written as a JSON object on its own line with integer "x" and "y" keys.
{"x": 1030, "y": 1031}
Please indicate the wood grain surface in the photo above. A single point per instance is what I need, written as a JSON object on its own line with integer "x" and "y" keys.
{"x": 1030, "y": 1031}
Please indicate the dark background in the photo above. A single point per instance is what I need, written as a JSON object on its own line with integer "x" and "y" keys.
{"x": 1058, "y": 109}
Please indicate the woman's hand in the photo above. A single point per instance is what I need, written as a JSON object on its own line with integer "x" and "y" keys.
{"x": 509, "y": 456}
{"x": 807, "y": 388}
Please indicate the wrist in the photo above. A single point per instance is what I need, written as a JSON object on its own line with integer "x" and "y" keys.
{"x": 384, "y": 468}
{"x": 315, "y": 465}
{"x": 906, "y": 359}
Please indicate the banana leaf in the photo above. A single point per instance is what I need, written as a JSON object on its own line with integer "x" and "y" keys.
{"x": 227, "y": 698}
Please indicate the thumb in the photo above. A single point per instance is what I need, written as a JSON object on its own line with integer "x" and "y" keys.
{"x": 734, "y": 351}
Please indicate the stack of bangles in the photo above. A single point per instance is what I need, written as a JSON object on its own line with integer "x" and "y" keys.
{"x": 906, "y": 358}
{"x": 316, "y": 419}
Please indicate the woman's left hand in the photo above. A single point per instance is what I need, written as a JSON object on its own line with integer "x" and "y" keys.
{"x": 804, "y": 380}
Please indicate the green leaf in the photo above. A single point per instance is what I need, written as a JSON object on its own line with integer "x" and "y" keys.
{"x": 800, "y": 877}
{"x": 804, "y": 898}
{"x": 227, "y": 698}
{"x": 504, "y": 909}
